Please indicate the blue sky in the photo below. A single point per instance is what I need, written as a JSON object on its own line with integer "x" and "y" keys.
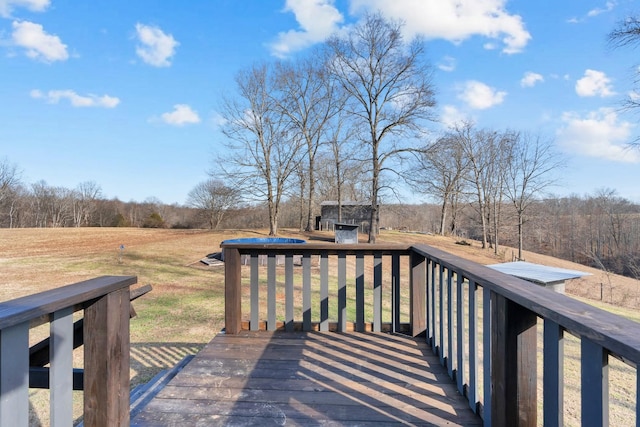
{"x": 125, "y": 93}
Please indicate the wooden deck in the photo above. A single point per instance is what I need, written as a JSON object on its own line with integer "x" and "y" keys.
{"x": 315, "y": 378}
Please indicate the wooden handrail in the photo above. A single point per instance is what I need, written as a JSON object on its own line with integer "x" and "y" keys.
{"x": 106, "y": 305}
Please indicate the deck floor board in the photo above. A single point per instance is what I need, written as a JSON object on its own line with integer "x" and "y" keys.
{"x": 315, "y": 378}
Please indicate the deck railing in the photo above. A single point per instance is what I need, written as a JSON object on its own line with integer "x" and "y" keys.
{"x": 106, "y": 306}
{"x": 481, "y": 323}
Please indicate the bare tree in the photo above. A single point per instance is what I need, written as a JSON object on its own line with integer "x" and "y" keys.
{"x": 308, "y": 100}
{"x": 9, "y": 183}
{"x": 85, "y": 202}
{"x": 529, "y": 174}
{"x": 214, "y": 199}
{"x": 389, "y": 88}
{"x": 627, "y": 34}
{"x": 262, "y": 150}
{"x": 437, "y": 171}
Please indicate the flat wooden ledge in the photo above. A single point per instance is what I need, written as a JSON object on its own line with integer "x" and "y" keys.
{"x": 297, "y": 378}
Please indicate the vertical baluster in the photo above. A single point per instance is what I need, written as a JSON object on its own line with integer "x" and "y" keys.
{"x": 14, "y": 375}
{"x": 434, "y": 332}
{"x": 553, "y": 374}
{"x": 441, "y": 313}
{"x": 324, "y": 291}
{"x": 486, "y": 356}
{"x": 637, "y": 397}
{"x": 342, "y": 292}
{"x": 594, "y": 383}
{"x": 418, "y": 294}
{"x": 377, "y": 295}
{"x": 61, "y": 371}
{"x": 271, "y": 292}
{"x": 254, "y": 323}
{"x": 306, "y": 292}
{"x": 460, "y": 350}
{"x": 232, "y": 291}
{"x": 450, "y": 356}
{"x": 395, "y": 282}
{"x": 360, "y": 292}
{"x": 288, "y": 292}
{"x": 472, "y": 390}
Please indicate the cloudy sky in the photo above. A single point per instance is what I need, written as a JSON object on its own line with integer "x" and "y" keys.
{"x": 125, "y": 93}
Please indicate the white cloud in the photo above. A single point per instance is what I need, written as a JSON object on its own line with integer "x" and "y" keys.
{"x": 599, "y": 134}
{"x": 7, "y": 6}
{"x": 38, "y": 44}
{"x": 447, "y": 64}
{"x": 480, "y": 96}
{"x": 181, "y": 115}
{"x": 318, "y": 19}
{"x": 609, "y": 6}
{"x": 594, "y": 83}
{"x": 597, "y": 11}
{"x": 451, "y": 116}
{"x": 530, "y": 79}
{"x": 156, "y": 48}
{"x": 455, "y": 20}
{"x": 90, "y": 100}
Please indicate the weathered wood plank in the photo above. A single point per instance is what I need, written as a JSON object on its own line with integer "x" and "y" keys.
{"x": 395, "y": 284}
{"x": 513, "y": 363}
{"x": 14, "y": 375}
{"x": 461, "y": 375}
{"x": 324, "y": 291}
{"x": 271, "y": 292}
{"x": 360, "y": 293}
{"x": 306, "y": 293}
{"x": 418, "y": 295}
{"x": 594, "y": 370}
{"x": 61, "y": 372}
{"x": 258, "y": 378}
{"x": 472, "y": 390}
{"x": 377, "y": 295}
{"x": 342, "y": 292}
{"x": 553, "y": 374}
{"x": 288, "y": 292}
{"x": 255, "y": 292}
{"x": 232, "y": 291}
{"x": 106, "y": 355}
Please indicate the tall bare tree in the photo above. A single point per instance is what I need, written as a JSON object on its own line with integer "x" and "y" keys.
{"x": 308, "y": 100}
{"x": 627, "y": 34}
{"x": 437, "y": 171}
{"x": 530, "y": 172}
{"x": 263, "y": 152}
{"x": 390, "y": 91}
{"x": 84, "y": 203}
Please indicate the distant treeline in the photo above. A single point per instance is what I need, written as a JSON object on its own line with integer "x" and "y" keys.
{"x": 600, "y": 230}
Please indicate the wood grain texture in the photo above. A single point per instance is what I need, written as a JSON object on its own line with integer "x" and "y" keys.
{"x": 315, "y": 378}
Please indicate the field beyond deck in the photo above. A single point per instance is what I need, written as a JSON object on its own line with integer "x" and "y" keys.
{"x": 315, "y": 378}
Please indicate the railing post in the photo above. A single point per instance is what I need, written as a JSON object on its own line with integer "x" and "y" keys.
{"x": 513, "y": 363}
{"x": 232, "y": 291}
{"x": 106, "y": 360}
{"x": 418, "y": 294}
